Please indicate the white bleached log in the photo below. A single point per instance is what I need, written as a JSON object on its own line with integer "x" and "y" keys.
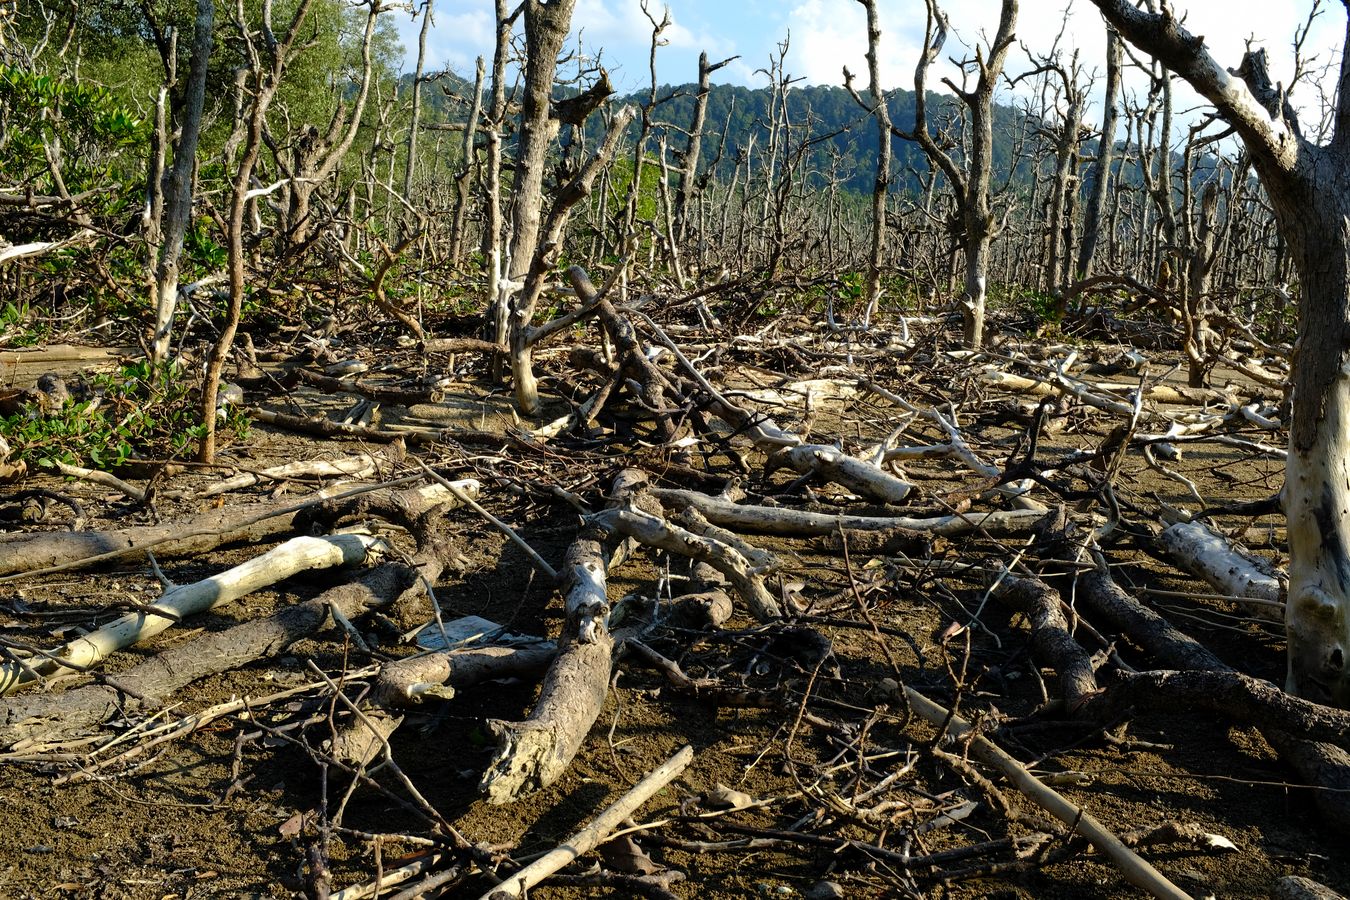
{"x": 362, "y": 465}
{"x": 296, "y": 555}
{"x": 1209, "y": 556}
{"x": 835, "y": 466}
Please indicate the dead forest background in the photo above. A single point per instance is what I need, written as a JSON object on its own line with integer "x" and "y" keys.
{"x": 882, "y": 486}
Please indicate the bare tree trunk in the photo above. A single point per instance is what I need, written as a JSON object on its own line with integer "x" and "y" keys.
{"x": 689, "y": 184}
{"x": 970, "y": 184}
{"x": 492, "y": 189}
{"x": 523, "y": 336}
{"x": 178, "y": 184}
{"x": 316, "y": 157}
{"x": 1309, "y": 188}
{"x": 1066, "y": 159}
{"x": 265, "y": 82}
{"x": 546, "y": 26}
{"x": 410, "y": 164}
{"x": 1101, "y": 168}
{"x": 1195, "y": 294}
{"x": 462, "y": 177}
{"x": 883, "y": 177}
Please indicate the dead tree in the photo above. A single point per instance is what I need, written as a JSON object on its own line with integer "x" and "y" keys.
{"x": 546, "y": 26}
{"x": 971, "y": 181}
{"x": 465, "y": 173}
{"x": 1064, "y": 188}
{"x": 689, "y": 175}
{"x": 1101, "y": 166}
{"x": 493, "y": 250}
{"x": 173, "y": 191}
{"x": 262, "y": 78}
{"x": 523, "y": 336}
{"x": 410, "y": 164}
{"x": 315, "y": 156}
{"x": 882, "y": 114}
{"x": 1309, "y": 188}
{"x": 1198, "y": 257}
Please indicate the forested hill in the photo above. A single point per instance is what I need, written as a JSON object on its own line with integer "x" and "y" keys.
{"x": 814, "y": 111}
{"x": 819, "y": 111}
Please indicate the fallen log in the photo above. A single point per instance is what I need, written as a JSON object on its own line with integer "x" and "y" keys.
{"x": 534, "y": 753}
{"x": 654, "y": 531}
{"x": 179, "y": 601}
{"x": 833, "y": 465}
{"x": 405, "y": 683}
{"x": 1208, "y": 556}
{"x": 782, "y": 521}
{"x": 31, "y": 555}
{"x": 1051, "y": 639}
{"x": 1318, "y": 763}
{"x": 362, "y": 465}
{"x": 51, "y": 717}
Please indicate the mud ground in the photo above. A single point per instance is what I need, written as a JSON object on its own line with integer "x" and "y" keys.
{"x": 205, "y": 816}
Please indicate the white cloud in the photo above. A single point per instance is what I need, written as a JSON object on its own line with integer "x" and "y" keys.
{"x": 826, "y": 35}
{"x": 456, "y": 38}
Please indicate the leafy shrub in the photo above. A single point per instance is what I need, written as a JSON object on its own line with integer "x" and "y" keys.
{"x": 139, "y": 411}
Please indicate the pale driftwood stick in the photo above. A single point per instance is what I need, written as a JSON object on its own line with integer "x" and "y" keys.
{"x": 834, "y": 465}
{"x": 296, "y": 555}
{"x": 391, "y": 877}
{"x": 362, "y": 465}
{"x": 104, "y": 478}
{"x": 1201, "y": 552}
{"x": 31, "y": 555}
{"x": 594, "y": 834}
{"x": 1137, "y": 870}
{"x": 657, "y": 532}
{"x": 501, "y": 526}
{"x": 777, "y": 520}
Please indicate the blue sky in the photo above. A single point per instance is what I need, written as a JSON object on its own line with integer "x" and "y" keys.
{"x": 829, "y": 34}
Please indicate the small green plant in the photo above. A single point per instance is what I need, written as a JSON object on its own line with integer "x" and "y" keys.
{"x": 17, "y": 328}
{"x": 140, "y": 411}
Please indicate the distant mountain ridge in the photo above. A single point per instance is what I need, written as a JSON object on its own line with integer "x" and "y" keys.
{"x": 852, "y": 134}
{"x": 743, "y": 112}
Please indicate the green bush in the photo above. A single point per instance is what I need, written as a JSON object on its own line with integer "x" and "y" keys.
{"x": 139, "y": 411}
